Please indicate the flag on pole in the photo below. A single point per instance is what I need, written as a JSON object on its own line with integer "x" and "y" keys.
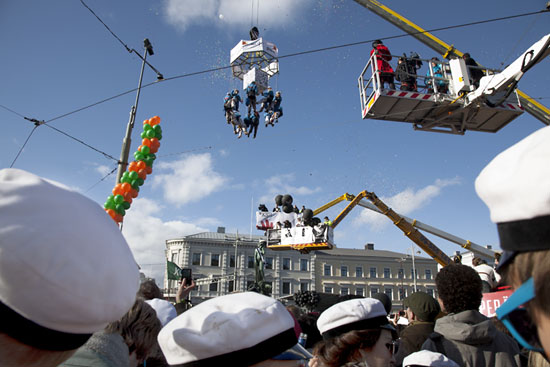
{"x": 173, "y": 271}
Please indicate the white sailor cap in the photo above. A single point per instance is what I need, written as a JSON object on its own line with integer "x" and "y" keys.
{"x": 166, "y": 311}
{"x": 428, "y": 358}
{"x": 65, "y": 269}
{"x": 239, "y": 329}
{"x": 515, "y": 186}
{"x": 354, "y": 314}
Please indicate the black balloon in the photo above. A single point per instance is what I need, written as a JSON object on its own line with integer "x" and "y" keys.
{"x": 287, "y": 199}
{"x": 307, "y": 214}
{"x": 279, "y": 200}
{"x": 316, "y": 221}
{"x": 287, "y": 208}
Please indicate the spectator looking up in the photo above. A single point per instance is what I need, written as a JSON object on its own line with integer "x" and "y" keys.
{"x": 384, "y": 68}
{"x": 486, "y": 273}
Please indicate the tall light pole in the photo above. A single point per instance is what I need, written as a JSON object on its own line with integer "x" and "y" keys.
{"x": 414, "y": 267}
{"x": 127, "y": 141}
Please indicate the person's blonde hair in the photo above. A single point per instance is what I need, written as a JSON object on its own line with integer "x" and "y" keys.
{"x": 139, "y": 328}
{"x": 22, "y": 355}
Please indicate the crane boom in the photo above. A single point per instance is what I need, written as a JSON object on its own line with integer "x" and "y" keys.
{"x": 537, "y": 110}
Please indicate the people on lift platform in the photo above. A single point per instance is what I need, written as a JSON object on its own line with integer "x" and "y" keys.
{"x": 251, "y": 92}
{"x": 437, "y": 83}
{"x": 383, "y": 57}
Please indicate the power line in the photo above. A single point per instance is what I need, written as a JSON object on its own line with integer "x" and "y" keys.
{"x": 106, "y": 26}
{"x": 185, "y": 151}
{"x": 23, "y": 146}
{"x": 12, "y": 111}
{"x": 302, "y": 53}
{"x": 104, "y": 177}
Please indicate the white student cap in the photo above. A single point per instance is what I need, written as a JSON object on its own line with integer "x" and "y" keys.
{"x": 515, "y": 186}
{"x": 65, "y": 269}
{"x": 239, "y": 329}
{"x": 354, "y": 314}
{"x": 428, "y": 358}
{"x": 166, "y": 311}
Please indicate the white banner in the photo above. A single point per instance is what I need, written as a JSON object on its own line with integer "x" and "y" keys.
{"x": 268, "y": 220}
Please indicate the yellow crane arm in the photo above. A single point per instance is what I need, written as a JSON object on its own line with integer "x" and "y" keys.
{"x": 537, "y": 110}
{"x": 346, "y": 196}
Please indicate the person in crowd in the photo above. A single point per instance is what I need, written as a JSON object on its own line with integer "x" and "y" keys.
{"x": 327, "y": 222}
{"x": 236, "y": 97}
{"x": 523, "y": 226}
{"x": 251, "y": 93}
{"x": 385, "y": 299}
{"x": 473, "y": 69}
{"x": 228, "y": 107}
{"x": 355, "y": 331}
{"x": 241, "y": 329}
{"x": 295, "y": 209}
{"x": 182, "y": 295}
{"x": 465, "y": 335}
{"x": 166, "y": 312}
{"x": 405, "y": 75}
{"x": 383, "y": 56}
{"x": 269, "y": 119}
{"x": 434, "y": 77}
{"x": 51, "y": 300}
{"x": 126, "y": 342}
{"x": 262, "y": 208}
{"x": 486, "y": 273}
{"x": 148, "y": 289}
{"x": 308, "y": 323}
{"x": 277, "y": 108}
{"x": 427, "y": 358}
{"x": 421, "y": 310}
{"x": 254, "y": 123}
{"x": 302, "y": 208}
{"x": 267, "y": 100}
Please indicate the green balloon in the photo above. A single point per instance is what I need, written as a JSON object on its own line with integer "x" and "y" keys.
{"x": 143, "y": 134}
{"x": 159, "y": 136}
{"x": 134, "y": 184}
{"x": 139, "y": 181}
{"x": 110, "y": 198}
{"x": 147, "y": 127}
{"x": 138, "y": 156}
{"x": 120, "y": 209}
{"x": 109, "y": 205}
{"x": 145, "y": 149}
{"x": 119, "y": 199}
{"x": 126, "y": 174}
{"x": 152, "y": 156}
{"x": 126, "y": 205}
{"x": 157, "y": 129}
{"x": 150, "y": 133}
{"x": 133, "y": 175}
{"x": 149, "y": 161}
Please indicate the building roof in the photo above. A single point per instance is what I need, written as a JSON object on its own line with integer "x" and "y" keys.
{"x": 222, "y": 236}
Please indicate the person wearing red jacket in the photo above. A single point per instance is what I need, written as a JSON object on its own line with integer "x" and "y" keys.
{"x": 383, "y": 66}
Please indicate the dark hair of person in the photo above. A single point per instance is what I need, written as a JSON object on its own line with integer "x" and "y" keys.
{"x": 346, "y": 348}
{"x": 534, "y": 264}
{"x": 476, "y": 261}
{"x": 148, "y": 289}
{"x": 459, "y": 288}
{"x": 497, "y": 256}
{"x": 308, "y": 323}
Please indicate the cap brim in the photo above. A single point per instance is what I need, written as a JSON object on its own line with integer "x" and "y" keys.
{"x": 295, "y": 352}
{"x": 506, "y": 259}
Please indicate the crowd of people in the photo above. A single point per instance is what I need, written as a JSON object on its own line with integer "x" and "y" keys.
{"x": 70, "y": 294}
{"x": 407, "y": 71}
{"x": 270, "y": 104}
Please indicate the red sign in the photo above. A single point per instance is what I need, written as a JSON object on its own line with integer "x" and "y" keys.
{"x": 492, "y": 301}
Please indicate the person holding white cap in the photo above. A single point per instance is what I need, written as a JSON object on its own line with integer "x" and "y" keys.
{"x": 356, "y": 332}
{"x": 425, "y": 358}
{"x": 515, "y": 186}
{"x": 65, "y": 270}
{"x": 241, "y": 329}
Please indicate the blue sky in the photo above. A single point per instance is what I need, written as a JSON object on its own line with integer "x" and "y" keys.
{"x": 58, "y": 58}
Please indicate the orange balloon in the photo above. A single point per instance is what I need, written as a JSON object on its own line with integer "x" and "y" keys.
{"x": 111, "y": 213}
{"x": 134, "y": 193}
{"x": 132, "y": 166}
{"x": 126, "y": 187}
{"x": 141, "y": 165}
{"x": 118, "y": 189}
{"x": 142, "y": 173}
{"x": 149, "y": 169}
{"x": 118, "y": 218}
{"x": 146, "y": 122}
{"x": 146, "y": 142}
{"x": 155, "y": 120}
{"x": 153, "y": 149}
{"x": 128, "y": 197}
{"x": 155, "y": 142}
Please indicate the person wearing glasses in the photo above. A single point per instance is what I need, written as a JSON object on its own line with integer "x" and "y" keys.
{"x": 355, "y": 333}
{"x": 515, "y": 186}
{"x": 465, "y": 335}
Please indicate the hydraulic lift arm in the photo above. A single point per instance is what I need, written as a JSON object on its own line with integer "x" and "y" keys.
{"x": 536, "y": 109}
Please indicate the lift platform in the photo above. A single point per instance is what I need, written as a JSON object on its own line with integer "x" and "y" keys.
{"x": 301, "y": 238}
{"x": 431, "y": 111}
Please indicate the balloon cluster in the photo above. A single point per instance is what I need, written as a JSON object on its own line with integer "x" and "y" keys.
{"x": 307, "y": 299}
{"x": 128, "y": 187}
{"x": 285, "y": 201}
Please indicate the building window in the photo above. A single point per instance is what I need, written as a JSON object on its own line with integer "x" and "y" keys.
{"x": 213, "y": 287}
{"x": 269, "y": 263}
{"x": 428, "y": 274}
{"x": 286, "y": 263}
{"x": 286, "y": 287}
{"x": 344, "y": 271}
{"x": 215, "y": 260}
{"x": 328, "y": 289}
{"x": 344, "y": 291}
{"x": 386, "y": 273}
{"x": 231, "y": 261}
{"x": 359, "y": 292}
{"x": 251, "y": 262}
{"x": 402, "y": 294}
{"x": 400, "y": 273}
{"x": 304, "y": 286}
{"x": 359, "y": 272}
{"x": 373, "y": 272}
{"x": 430, "y": 291}
{"x": 373, "y": 291}
{"x": 175, "y": 257}
{"x": 196, "y": 259}
{"x": 304, "y": 264}
{"x": 388, "y": 292}
{"x": 412, "y": 274}
{"x": 328, "y": 270}
{"x": 230, "y": 286}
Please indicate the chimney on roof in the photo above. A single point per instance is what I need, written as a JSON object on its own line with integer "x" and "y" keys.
{"x": 221, "y": 230}
{"x": 489, "y": 247}
{"x": 369, "y": 246}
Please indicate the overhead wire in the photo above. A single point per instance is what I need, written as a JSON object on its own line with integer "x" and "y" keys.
{"x": 102, "y": 179}
{"x": 106, "y": 26}
{"x": 23, "y": 146}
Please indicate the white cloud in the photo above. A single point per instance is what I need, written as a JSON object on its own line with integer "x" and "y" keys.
{"x": 146, "y": 234}
{"x": 103, "y": 170}
{"x": 189, "y": 179}
{"x": 404, "y": 203}
{"x": 224, "y": 13}
{"x": 281, "y": 184}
